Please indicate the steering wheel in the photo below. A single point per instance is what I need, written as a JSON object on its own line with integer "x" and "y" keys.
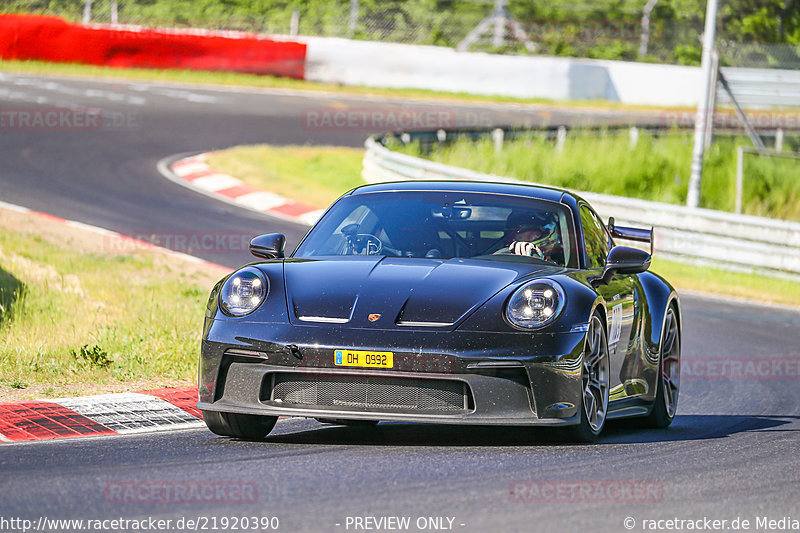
{"x": 370, "y": 243}
{"x": 363, "y": 244}
{"x": 358, "y": 243}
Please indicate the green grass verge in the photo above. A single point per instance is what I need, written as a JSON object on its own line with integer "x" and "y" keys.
{"x": 318, "y": 175}
{"x": 273, "y": 82}
{"x": 70, "y": 317}
{"x": 313, "y": 175}
{"x": 710, "y": 280}
{"x": 657, "y": 169}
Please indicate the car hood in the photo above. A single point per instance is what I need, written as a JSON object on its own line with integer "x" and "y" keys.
{"x": 394, "y": 292}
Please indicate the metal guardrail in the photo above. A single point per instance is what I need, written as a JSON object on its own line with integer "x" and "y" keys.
{"x": 695, "y": 235}
{"x": 762, "y": 88}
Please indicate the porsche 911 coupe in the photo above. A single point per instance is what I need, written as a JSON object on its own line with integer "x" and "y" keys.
{"x": 445, "y": 302}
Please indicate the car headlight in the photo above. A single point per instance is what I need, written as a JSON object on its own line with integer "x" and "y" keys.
{"x": 243, "y": 292}
{"x": 535, "y": 304}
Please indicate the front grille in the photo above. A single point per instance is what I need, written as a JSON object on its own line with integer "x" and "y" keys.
{"x": 371, "y": 392}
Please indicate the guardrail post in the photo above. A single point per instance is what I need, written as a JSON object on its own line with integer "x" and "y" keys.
{"x": 779, "y": 140}
{"x": 561, "y": 138}
{"x": 633, "y": 135}
{"x": 739, "y": 178}
{"x": 441, "y": 135}
{"x": 497, "y": 137}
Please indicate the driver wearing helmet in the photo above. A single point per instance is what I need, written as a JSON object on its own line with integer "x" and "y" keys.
{"x": 533, "y": 235}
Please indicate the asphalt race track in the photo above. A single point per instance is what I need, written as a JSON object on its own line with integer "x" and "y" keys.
{"x": 730, "y": 453}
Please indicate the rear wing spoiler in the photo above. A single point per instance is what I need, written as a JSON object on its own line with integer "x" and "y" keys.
{"x": 631, "y": 234}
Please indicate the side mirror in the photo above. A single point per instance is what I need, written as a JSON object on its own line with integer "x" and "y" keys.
{"x": 626, "y": 260}
{"x": 269, "y": 246}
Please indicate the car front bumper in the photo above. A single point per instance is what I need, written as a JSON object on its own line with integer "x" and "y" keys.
{"x": 507, "y": 379}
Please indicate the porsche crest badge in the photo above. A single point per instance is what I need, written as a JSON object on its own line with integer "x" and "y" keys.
{"x": 373, "y": 317}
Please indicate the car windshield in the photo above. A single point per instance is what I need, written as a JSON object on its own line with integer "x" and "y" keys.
{"x": 444, "y": 225}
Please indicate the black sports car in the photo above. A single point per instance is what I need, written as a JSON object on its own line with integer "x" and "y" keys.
{"x": 447, "y": 302}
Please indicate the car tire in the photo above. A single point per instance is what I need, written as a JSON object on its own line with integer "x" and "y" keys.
{"x": 595, "y": 372}
{"x": 248, "y": 427}
{"x": 352, "y": 423}
{"x": 669, "y": 372}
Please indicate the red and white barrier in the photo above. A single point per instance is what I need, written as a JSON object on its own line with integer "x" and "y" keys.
{"x": 34, "y": 37}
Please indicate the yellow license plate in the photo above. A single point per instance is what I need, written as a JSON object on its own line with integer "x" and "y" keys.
{"x": 363, "y": 358}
